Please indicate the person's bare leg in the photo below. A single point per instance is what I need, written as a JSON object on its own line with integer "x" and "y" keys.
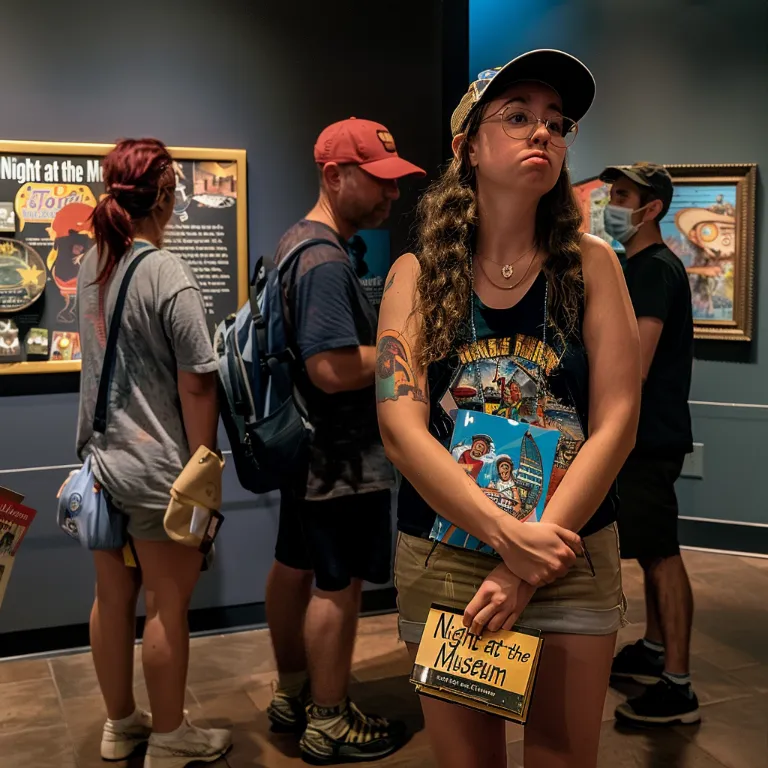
{"x": 463, "y": 738}
{"x": 287, "y": 597}
{"x": 674, "y": 598}
{"x": 170, "y": 572}
{"x": 113, "y": 631}
{"x": 329, "y": 632}
{"x": 652, "y": 622}
{"x": 563, "y": 730}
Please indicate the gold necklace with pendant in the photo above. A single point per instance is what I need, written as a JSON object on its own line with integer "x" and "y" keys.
{"x": 508, "y": 270}
{"x": 514, "y": 285}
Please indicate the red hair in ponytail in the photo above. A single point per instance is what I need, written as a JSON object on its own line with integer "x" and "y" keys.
{"x": 135, "y": 172}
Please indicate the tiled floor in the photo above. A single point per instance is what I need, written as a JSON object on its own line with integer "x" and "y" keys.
{"x": 51, "y": 712}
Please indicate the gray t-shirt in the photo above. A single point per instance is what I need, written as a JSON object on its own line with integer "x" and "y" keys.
{"x": 163, "y": 329}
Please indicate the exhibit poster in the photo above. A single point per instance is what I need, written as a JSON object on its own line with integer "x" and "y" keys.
{"x": 47, "y": 195}
{"x": 15, "y": 520}
{"x": 372, "y": 261}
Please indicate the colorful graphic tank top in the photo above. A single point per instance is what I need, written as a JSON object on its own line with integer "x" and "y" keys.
{"x": 513, "y": 373}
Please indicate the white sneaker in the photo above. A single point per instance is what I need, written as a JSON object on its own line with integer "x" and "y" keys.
{"x": 188, "y": 745}
{"x": 120, "y": 741}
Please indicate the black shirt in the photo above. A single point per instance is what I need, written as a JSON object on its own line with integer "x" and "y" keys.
{"x": 512, "y": 372}
{"x": 331, "y": 311}
{"x": 658, "y": 286}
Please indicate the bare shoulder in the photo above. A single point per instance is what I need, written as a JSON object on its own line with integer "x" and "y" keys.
{"x": 600, "y": 264}
{"x": 403, "y": 276}
{"x": 406, "y": 267}
{"x": 596, "y": 252}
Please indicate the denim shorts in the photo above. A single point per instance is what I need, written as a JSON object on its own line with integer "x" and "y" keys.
{"x": 577, "y": 604}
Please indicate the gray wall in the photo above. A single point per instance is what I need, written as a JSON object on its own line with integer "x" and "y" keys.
{"x": 265, "y": 76}
{"x": 678, "y": 81}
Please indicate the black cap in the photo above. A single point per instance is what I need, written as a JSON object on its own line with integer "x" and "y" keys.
{"x": 484, "y": 438}
{"x": 649, "y": 175}
{"x": 562, "y": 72}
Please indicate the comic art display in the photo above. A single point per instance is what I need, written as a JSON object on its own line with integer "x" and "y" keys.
{"x": 710, "y": 226}
{"x": 47, "y": 195}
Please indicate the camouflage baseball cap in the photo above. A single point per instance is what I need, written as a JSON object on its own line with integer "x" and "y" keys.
{"x": 562, "y": 72}
{"x": 649, "y": 175}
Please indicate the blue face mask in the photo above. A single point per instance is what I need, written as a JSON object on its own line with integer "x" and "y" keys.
{"x": 618, "y": 222}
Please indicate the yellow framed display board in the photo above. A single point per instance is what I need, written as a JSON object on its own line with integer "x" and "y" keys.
{"x": 47, "y": 190}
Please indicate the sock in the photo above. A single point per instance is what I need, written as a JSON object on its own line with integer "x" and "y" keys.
{"x": 653, "y": 648}
{"x": 291, "y": 683}
{"x": 678, "y": 679}
{"x": 176, "y": 735}
{"x": 127, "y": 722}
{"x": 316, "y": 712}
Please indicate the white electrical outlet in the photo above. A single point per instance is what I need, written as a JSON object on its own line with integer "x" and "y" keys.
{"x": 694, "y": 462}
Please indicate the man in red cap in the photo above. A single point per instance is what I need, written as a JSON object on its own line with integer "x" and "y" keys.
{"x": 337, "y": 530}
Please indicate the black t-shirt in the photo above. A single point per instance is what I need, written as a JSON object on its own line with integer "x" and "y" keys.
{"x": 514, "y": 373}
{"x": 658, "y": 286}
{"x": 330, "y": 310}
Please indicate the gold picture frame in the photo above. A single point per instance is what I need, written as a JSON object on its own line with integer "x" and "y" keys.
{"x": 193, "y": 154}
{"x": 711, "y": 227}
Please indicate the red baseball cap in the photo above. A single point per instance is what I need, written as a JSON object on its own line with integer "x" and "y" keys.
{"x": 367, "y": 144}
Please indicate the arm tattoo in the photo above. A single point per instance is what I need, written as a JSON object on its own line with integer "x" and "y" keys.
{"x": 389, "y": 284}
{"x": 395, "y": 377}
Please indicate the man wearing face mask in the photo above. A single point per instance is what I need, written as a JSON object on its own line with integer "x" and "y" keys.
{"x": 337, "y": 530}
{"x": 661, "y": 296}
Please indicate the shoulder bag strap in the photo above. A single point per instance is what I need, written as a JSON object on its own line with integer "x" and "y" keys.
{"x": 110, "y": 353}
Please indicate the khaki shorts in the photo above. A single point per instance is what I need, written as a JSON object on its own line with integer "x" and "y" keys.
{"x": 577, "y": 604}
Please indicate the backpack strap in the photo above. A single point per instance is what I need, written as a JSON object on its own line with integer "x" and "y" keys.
{"x": 286, "y": 265}
{"x": 289, "y": 266}
{"x": 285, "y": 384}
{"x": 110, "y": 353}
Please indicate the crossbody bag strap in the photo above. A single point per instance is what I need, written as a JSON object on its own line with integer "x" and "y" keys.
{"x": 110, "y": 353}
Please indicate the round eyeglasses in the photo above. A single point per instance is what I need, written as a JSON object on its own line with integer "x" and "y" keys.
{"x": 521, "y": 123}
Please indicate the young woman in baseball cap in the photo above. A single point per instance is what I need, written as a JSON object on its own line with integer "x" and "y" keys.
{"x": 504, "y": 285}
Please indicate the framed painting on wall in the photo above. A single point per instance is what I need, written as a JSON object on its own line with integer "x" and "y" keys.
{"x": 710, "y": 226}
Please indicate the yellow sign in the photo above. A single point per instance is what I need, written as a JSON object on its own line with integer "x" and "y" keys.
{"x": 493, "y": 673}
{"x": 41, "y": 203}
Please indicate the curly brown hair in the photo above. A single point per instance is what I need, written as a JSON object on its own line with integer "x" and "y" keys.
{"x": 447, "y": 234}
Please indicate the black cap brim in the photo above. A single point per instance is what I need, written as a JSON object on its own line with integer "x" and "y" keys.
{"x": 609, "y": 175}
{"x": 559, "y": 70}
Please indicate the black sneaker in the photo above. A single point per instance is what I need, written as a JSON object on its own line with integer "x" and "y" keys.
{"x": 288, "y": 714}
{"x": 345, "y": 735}
{"x": 662, "y": 704}
{"x": 636, "y": 663}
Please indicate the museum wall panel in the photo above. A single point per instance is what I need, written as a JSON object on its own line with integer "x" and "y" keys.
{"x": 264, "y": 77}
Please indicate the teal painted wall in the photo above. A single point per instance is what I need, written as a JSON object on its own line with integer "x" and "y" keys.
{"x": 678, "y": 81}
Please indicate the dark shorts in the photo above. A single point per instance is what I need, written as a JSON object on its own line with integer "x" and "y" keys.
{"x": 349, "y": 537}
{"x": 648, "y": 507}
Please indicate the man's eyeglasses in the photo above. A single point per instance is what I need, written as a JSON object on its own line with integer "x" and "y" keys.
{"x": 521, "y": 123}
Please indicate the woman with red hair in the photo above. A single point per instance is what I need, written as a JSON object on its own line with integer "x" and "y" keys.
{"x": 162, "y": 407}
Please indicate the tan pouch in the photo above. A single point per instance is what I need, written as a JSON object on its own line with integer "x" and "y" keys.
{"x": 195, "y": 500}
